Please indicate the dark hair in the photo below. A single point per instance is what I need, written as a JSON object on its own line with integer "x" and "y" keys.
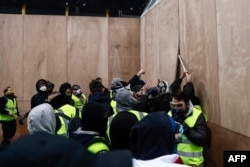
{"x": 95, "y": 86}
{"x": 180, "y": 95}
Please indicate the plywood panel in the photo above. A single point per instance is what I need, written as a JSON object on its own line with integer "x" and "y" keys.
{"x": 199, "y": 51}
{"x": 44, "y": 51}
{"x": 234, "y": 62}
{"x": 124, "y": 48}
{"x": 88, "y": 52}
{"x": 223, "y": 139}
{"x": 11, "y": 53}
{"x": 159, "y": 42}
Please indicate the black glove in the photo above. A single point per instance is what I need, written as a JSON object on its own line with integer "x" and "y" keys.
{"x": 186, "y": 128}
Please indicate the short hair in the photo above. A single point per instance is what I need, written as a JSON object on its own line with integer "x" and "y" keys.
{"x": 180, "y": 95}
{"x": 95, "y": 86}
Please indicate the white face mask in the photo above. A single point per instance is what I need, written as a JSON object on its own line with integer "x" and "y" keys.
{"x": 78, "y": 91}
{"x": 43, "y": 88}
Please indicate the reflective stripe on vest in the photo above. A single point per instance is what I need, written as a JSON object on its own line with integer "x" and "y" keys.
{"x": 70, "y": 111}
{"x": 190, "y": 153}
{"x": 97, "y": 147}
{"x": 10, "y": 106}
{"x": 113, "y": 105}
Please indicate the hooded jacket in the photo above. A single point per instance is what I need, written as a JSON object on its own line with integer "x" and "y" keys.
{"x": 153, "y": 136}
{"x": 41, "y": 96}
{"x": 124, "y": 100}
{"x": 42, "y": 119}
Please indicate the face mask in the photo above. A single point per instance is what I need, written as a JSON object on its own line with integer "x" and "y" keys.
{"x": 78, "y": 91}
{"x": 43, "y": 88}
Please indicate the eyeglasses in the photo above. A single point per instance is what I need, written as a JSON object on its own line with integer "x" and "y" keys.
{"x": 177, "y": 105}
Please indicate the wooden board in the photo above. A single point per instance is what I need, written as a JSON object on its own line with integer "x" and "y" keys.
{"x": 87, "y": 50}
{"x": 45, "y": 51}
{"x": 124, "y": 48}
{"x": 234, "y": 61}
{"x": 159, "y": 42}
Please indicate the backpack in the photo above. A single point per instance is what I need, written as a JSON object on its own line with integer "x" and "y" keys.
{"x": 73, "y": 124}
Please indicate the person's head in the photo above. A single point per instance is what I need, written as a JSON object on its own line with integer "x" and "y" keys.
{"x": 41, "y": 86}
{"x": 118, "y": 83}
{"x": 162, "y": 87}
{"x": 76, "y": 89}
{"x": 94, "y": 118}
{"x": 153, "y": 136}
{"x": 99, "y": 79}
{"x": 119, "y": 130}
{"x": 43, "y": 149}
{"x": 124, "y": 100}
{"x": 179, "y": 103}
{"x": 42, "y": 119}
{"x": 9, "y": 92}
{"x": 96, "y": 86}
{"x": 65, "y": 89}
{"x": 50, "y": 86}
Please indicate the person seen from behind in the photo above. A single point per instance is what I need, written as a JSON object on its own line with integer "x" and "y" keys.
{"x": 92, "y": 134}
{"x": 42, "y": 119}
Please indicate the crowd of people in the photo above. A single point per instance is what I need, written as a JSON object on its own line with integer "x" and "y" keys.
{"x": 128, "y": 124}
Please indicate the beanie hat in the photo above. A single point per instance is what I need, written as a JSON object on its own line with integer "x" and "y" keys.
{"x": 146, "y": 147}
{"x": 162, "y": 87}
{"x": 94, "y": 117}
{"x": 118, "y": 83}
{"x": 137, "y": 86}
{"x": 119, "y": 130}
{"x": 42, "y": 119}
{"x": 124, "y": 100}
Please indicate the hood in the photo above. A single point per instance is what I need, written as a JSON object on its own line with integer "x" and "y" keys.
{"x": 124, "y": 100}
{"x": 38, "y": 83}
{"x": 42, "y": 119}
{"x": 146, "y": 147}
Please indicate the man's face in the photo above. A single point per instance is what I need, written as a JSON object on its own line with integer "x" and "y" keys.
{"x": 178, "y": 105}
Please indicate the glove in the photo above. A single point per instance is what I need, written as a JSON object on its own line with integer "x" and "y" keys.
{"x": 186, "y": 128}
{"x": 178, "y": 132}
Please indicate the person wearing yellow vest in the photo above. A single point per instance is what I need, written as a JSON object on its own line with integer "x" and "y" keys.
{"x": 8, "y": 114}
{"x": 69, "y": 111}
{"x": 92, "y": 135}
{"x": 193, "y": 131}
{"x": 78, "y": 97}
{"x": 125, "y": 102}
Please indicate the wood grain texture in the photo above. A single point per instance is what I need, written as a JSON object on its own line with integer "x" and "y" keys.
{"x": 234, "y": 62}
{"x": 159, "y": 42}
{"x": 124, "y": 48}
{"x": 198, "y": 42}
{"x": 87, "y": 50}
{"x": 44, "y": 51}
{"x": 11, "y": 53}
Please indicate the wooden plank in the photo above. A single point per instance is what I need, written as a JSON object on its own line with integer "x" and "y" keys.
{"x": 234, "y": 62}
{"x": 159, "y": 42}
{"x": 44, "y": 51}
{"x": 11, "y": 53}
{"x": 124, "y": 48}
{"x": 87, "y": 50}
{"x": 198, "y": 43}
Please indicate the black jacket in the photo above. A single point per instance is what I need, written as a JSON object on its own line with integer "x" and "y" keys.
{"x": 199, "y": 133}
